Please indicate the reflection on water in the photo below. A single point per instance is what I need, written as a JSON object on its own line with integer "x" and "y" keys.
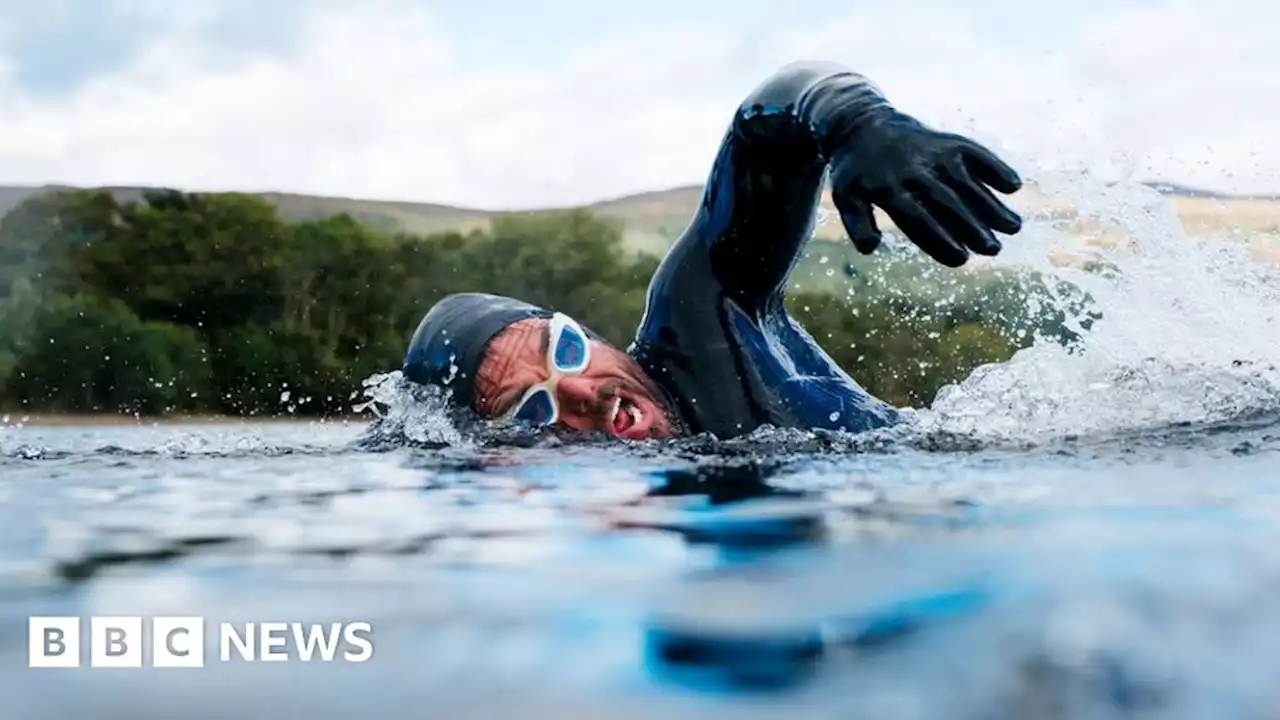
{"x": 730, "y": 506}
{"x": 1083, "y": 579}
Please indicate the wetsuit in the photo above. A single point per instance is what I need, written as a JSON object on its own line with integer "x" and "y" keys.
{"x": 715, "y": 334}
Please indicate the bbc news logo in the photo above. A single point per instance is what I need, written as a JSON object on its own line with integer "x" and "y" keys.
{"x": 179, "y": 642}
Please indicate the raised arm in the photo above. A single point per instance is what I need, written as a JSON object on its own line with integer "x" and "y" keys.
{"x": 758, "y": 207}
{"x": 715, "y": 333}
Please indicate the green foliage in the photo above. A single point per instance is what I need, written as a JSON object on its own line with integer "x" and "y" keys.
{"x": 17, "y": 321}
{"x": 86, "y": 354}
{"x": 570, "y": 261}
{"x": 263, "y": 370}
{"x": 209, "y": 261}
{"x": 896, "y": 350}
{"x": 37, "y": 237}
{"x": 214, "y": 303}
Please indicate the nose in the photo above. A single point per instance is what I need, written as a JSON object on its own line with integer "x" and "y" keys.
{"x": 577, "y": 396}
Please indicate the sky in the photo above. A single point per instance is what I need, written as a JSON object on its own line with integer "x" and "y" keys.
{"x": 515, "y": 104}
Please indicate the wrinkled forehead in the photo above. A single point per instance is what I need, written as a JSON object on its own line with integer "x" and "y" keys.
{"x": 520, "y": 343}
{"x": 525, "y": 337}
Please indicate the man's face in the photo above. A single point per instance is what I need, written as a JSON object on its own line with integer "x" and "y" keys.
{"x": 611, "y": 395}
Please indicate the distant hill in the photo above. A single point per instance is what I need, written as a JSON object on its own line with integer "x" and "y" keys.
{"x": 11, "y": 196}
{"x": 652, "y": 220}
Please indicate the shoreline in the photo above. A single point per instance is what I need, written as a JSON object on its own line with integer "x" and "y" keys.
{"x": 31, "y": 419}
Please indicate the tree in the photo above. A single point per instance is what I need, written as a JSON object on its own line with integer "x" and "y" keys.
{"x": 37, "y": 237}
{"x": 84, "y": 354}
{"x": 206, "y": 261}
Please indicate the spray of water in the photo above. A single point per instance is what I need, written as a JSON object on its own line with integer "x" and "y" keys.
{"x": 408, "y": 413}
{"x": 1187, "y": 333}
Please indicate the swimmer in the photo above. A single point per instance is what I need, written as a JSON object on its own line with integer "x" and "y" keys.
{"x": 716, "y": 351}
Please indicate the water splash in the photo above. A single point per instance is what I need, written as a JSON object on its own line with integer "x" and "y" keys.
{"x": 408, "y": 413}
{"x": 1187, "y": 330}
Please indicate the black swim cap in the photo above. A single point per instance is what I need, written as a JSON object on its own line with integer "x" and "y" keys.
{"x": 449, "y": 344}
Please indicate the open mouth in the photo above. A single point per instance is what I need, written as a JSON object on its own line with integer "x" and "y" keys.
{"x": 623, "y": 416}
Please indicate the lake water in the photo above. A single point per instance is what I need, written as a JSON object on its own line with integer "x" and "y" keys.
{"x": 1088, "y": 533}
{"x": 1079, "y": 579}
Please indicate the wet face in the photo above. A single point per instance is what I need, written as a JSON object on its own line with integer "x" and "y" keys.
{"x": 612, "y": 395}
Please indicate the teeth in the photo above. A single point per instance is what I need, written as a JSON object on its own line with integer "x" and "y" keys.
{"x": 635, "y": 414}
{"x": 613, "y": 414}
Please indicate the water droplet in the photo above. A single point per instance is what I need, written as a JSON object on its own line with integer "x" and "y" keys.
{"x": 834, "y": 416}
{"x": 453, "y": 369}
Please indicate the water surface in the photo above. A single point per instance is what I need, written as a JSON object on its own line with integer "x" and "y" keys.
{"x": 1089, "y": 579}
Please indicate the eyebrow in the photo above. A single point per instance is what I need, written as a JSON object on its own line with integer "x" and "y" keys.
{"x": 546, "y": 343}
{"x": 505, "y": 406}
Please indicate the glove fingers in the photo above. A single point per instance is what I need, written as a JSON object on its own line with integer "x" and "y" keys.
{"x": 920, "y": 226}
{"x": 990, "y": 169}
{"x": 984, "y": 205}
{"x": 952, "y": 212}
{"x": 859, "y": 222}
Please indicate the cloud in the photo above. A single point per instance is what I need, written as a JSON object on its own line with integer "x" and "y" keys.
{"x": 373, "y": 99}
{"x": 56, "y": 46}
{"x": 373, "y": 102}
{"x": 1181, "y": 91}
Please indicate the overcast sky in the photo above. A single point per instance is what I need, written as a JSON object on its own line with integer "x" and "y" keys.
{"x": 510, "y": 103}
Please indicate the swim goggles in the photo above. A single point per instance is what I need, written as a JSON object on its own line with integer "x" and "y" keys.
{"x": 568, "y": 353}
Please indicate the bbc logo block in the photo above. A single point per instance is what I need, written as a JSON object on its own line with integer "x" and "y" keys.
{"x": 53, "y": 642}
{"x": 179, "y": 642}
{"x": 115, "y": 642}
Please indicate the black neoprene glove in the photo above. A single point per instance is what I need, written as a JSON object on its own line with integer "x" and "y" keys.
{"x": 932, "y": 184}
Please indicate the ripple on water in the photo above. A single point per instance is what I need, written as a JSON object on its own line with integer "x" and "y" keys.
{"x": 1088, "y": 581}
